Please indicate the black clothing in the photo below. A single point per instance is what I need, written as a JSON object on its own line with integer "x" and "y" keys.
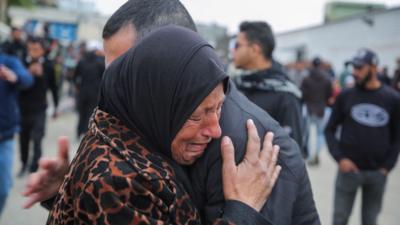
{"x": 316, "y": 89}
{"x": 33, "y": 105}
{"x": 88, "y": 74}
{"x": 32, "y": 128}
{"x": 185, "y": 79}
{"x": 385, "y": 79}
{"x": 187, "y": 70}
{"x": 291, "y": 201}
{"x": 396, "y": 80}
{"x": 272, "y": 91}
{"x": 370, "y": 134}
{"x": 14, "y": 48}
{"x": 34, "y": 99}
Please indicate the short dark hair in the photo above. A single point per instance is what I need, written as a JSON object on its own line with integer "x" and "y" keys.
{"x": 261, "y": 33}
{"x": 37, "y": 40}
{"x": 146, "y": 16}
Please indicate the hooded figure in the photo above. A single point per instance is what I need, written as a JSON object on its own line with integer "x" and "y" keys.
{"x": 123, "y": 172}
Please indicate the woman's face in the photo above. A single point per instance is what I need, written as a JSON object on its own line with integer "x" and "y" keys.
{"x": 202, "y": 126}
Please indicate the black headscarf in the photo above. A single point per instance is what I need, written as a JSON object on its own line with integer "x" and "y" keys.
{"x": 154, "y": 87}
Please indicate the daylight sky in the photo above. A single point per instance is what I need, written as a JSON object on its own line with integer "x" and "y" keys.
{"x": 283, "y": 15}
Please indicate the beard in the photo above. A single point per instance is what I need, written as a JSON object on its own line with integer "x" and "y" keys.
{"x": 362, "y": 83}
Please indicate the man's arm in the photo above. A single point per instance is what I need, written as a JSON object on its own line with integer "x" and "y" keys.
{"x": 393, "y": 153}
{"x": 304, "y": 210}
{"x": 13, "y": 65}
{"x": 337, "y": 116}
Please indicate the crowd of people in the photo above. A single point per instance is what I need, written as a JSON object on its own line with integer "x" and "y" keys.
{"x": 34, "y": 65}
{"x": 168, "y": 136}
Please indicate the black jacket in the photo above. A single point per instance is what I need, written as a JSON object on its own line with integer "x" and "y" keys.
{"x": 291, "y": 201}
{"x": 317, "y": 89}
{"x": 15, "y": 48}
{"x": 88, "y": 75}
{"x": 34, "y": 99}
{"x": 272, "y": 91}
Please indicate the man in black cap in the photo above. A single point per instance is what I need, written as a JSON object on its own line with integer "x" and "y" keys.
{"x": 369, "y": 143}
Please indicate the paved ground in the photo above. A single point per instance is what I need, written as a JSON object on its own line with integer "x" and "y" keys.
{"x": 322, "y": 179}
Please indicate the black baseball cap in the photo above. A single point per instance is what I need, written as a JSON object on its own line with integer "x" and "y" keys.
{"x": 363, "y": 57}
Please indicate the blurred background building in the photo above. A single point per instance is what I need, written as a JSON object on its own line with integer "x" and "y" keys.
{"x": 347, "y": 27}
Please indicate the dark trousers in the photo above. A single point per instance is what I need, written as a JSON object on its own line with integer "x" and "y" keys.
{"x": 32, "y": 128}
{"x": 372, "y": 184}
{"x": 86, "y": 105}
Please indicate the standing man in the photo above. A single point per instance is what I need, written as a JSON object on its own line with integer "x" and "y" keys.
{"x": 13, "y": 76}
{"x": 369, "y": 143}
{"x": 290, "y": 203}
{"x": 268, "y": 87}
{"x": 87, "y": 77}
{"x": 33, "y": 103}
{"x": 15, "y": 46}
{"x": 317, "y": 89}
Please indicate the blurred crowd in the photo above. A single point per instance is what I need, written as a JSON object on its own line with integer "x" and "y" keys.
{"x": 70, "y": 72}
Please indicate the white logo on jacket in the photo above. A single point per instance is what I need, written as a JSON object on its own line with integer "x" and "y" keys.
{"x": 369, "y": 115}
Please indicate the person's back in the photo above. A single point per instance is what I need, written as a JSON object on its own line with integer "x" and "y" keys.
{"x": 87, "y": 77}
{"x": 291, "y": 201}
{"x": 316, "y": 90}
{"x": 88, "y": 74}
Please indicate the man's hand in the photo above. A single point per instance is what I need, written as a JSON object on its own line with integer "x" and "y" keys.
{"x": 44, "y": 183}
{"x": 36, "y": 69}
{"x": 347, "y": 166}
{"x": 252, "y": 181}
{"x": 7, "y": 74}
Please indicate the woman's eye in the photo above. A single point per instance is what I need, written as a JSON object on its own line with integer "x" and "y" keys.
{"x": 196, "y": 119}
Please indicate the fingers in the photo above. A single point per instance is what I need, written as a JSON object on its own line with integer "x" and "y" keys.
{"x": 49, "y": 164}
{"x": 228, "y": 155}
{"x": 34, "y": 198}
{"x": 34, "y": 183}
{"x": 253, "y": 142}
{"x": 275, "y": 175}
{"x": 266, "y": 151}
{"x": 63, "y": 148}
{"x": 274, "y": 158}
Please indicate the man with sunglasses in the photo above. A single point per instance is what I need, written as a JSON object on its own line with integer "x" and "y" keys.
{"x": 369, "y": 143}
{"x": 268, "y": 86}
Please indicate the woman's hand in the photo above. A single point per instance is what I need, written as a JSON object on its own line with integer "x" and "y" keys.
{"x": 44, "y": 183}
{"x": 252, "y": 181}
